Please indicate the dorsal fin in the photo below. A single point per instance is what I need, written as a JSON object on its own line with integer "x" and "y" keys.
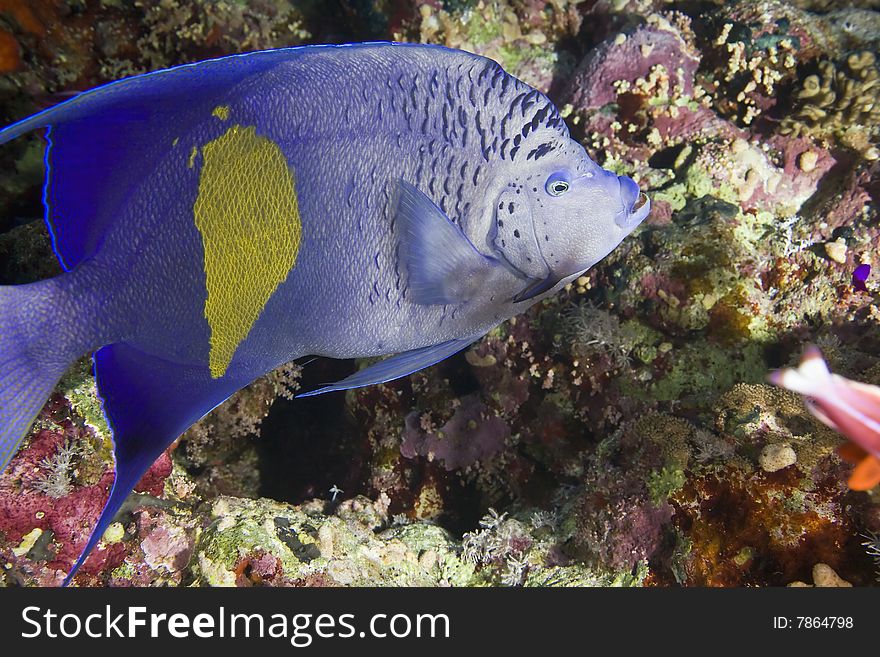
{"x": 101, "y": 139}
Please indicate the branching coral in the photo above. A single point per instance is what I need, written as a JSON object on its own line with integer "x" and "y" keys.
{"x": 842, "y": 102}
{"x": 754, "y": 65}
{"x": 500, "y": 545}
{"x": 56, "y": 475}
{"x": 593, "y": 331}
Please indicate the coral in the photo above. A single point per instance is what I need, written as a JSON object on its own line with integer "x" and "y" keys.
{"x": 173, "y": 31}
{"x": 264, "y": 543}
{"x": 855, "y": 28}
{"x": 624, "y": 506}
{"x": 841, "y": 101}
{"x": 470, "y": 435}
{"x": 78, "y": 387}
{"x": 636, "y": 91}
{"x": 588, "y": 330}
{"x": 56, "y": 472}
{"x": 753, "y": 51}
{"x": 499, "y": 541}
{"x": 788, "y": 516}
{"x": 619, "y": 433}
{"x": 776, "y": 457}
{"x": 518, "y": 35}
{"x": 218, "y": 446}
{"x": 872, "y": 549}
{"x": 54, "y": 490}
{"x": 657, "y": 60}
{"x": 849, "y": 407}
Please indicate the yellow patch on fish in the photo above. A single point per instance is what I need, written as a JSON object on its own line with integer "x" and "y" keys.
{"x": 192, "y": 157}
{"x": 248, "y": 216}
{"x": 221, "y": 112}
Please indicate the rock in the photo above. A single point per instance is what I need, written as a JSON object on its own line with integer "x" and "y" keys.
{"x": 824, "y": 576}
{"x": 776, "y": 457}
{"x": 623, "y": 61}
{"x": 807, "y": 161}
{"x": 836, "y": 250}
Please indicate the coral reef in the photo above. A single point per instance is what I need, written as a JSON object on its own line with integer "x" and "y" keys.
{"x": 619, "y": 433}
{"x": 219, "y": 447}
{"x": 521, "y": 36}
{"x": 841, "y": 101}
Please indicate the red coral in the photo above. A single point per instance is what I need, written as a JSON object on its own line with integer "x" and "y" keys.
{"x": 70, "y": 518}
{"x": 258, "y": 569}
{"x": 153, "y": 481}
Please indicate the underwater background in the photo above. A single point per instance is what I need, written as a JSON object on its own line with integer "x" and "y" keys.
{"x": 619, "y": 433}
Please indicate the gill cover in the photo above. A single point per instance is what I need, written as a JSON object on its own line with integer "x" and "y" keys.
{"x": 516, "y": 241}
{"x": 515, "y": 234}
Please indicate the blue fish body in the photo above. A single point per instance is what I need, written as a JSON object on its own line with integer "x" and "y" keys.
{"x": 217, "y": 220}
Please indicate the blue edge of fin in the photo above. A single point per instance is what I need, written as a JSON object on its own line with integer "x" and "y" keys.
{"x": 395, "y": 367}
{"x": 148, "y": 403}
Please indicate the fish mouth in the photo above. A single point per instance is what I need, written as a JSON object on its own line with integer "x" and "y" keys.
{"x": 636, "y": 204}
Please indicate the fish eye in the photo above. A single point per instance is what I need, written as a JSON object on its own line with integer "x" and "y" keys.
{"x": 557, "y": 184}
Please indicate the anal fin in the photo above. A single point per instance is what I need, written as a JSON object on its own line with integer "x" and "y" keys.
{"x": 148, "y": 402}
{"x": 397, "y": 366}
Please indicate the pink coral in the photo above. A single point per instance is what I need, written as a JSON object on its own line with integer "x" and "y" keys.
{"x": 67, "y": 520}
{"x": 593, "y": 84}
{"x": 165, "y": 544}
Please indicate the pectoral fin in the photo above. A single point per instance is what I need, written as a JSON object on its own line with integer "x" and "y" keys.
{"x": 444, "y": 266}
{"x": 397, "y": 366}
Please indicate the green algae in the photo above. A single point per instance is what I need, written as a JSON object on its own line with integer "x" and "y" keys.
{"x": 580, "y": 575}
{"x": 664, "y": 482}
{"x": 343, "y": 551}
{"x": 78, "y": 386}
{"x": 702, "y": 369}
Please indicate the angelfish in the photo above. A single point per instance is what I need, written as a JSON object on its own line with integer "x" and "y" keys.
{"x": 218, "y": 219}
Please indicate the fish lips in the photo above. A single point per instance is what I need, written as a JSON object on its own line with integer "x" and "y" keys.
{"x": 636, "y": 205}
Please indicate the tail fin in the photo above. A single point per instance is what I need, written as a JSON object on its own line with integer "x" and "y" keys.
{"x": 30, "y": 363}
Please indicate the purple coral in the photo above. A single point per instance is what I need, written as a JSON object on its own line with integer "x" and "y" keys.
{"x": 471, "y": 435}
{"x": 595, "y": 83}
